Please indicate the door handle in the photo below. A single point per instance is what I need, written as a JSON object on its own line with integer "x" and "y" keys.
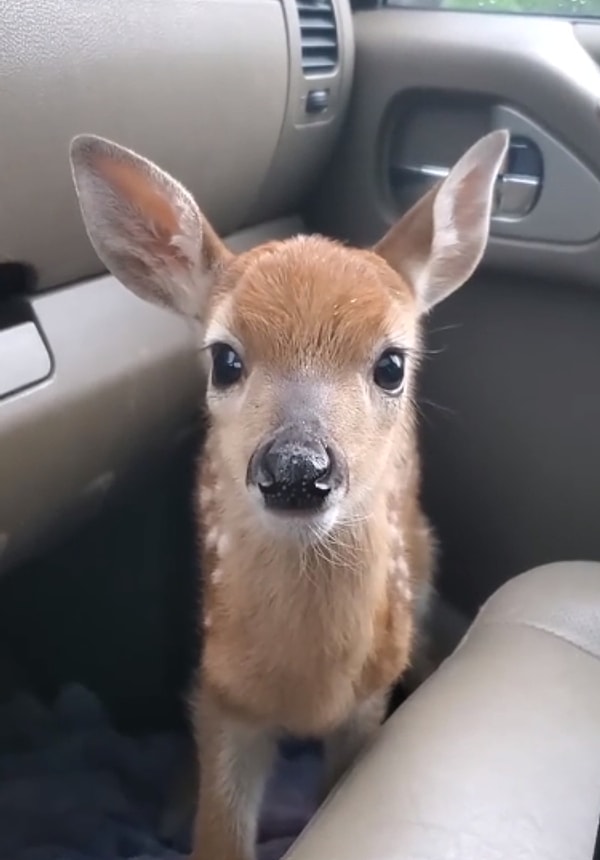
{"x": 517, "y": 187}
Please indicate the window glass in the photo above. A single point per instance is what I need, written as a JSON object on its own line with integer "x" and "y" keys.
{"x": 568, "y": 8}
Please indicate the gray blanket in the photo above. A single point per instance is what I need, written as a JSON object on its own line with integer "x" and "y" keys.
{"x": 72, "y": 788}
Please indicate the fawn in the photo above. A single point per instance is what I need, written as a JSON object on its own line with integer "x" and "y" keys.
{"x": 317, "y": 557}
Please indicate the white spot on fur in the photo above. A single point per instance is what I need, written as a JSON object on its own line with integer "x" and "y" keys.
{"x": 396, "y": 536}
{"x": 400, "y": 577}
{"x": 216, "y": 575}
{"x": 208, "y": 621}
{"x": 223, "y": 545}
{"x": 402, "y": 568}
{"x": 403, "y": 588}
{"x": 212, "y": 538}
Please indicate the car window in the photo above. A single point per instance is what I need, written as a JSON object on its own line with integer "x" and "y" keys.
{"x": 567, "y": 8}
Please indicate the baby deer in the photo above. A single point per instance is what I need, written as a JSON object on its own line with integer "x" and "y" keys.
{"x": 317, "y": 558}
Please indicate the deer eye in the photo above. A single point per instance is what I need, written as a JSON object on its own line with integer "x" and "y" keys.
{"x": 388, "y": 372}
{"x": 227, "y": 366}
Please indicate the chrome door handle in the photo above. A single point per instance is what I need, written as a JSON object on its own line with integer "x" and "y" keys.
{"x": 515, "y": 193}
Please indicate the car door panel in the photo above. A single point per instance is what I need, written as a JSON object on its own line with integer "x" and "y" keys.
{"x": 511, "y": 413}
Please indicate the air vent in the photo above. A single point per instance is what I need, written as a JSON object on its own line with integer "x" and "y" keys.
{"x": 318, "y": 35}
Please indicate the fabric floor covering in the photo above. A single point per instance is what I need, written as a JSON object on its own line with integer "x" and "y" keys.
{"x": 72, "y": 788}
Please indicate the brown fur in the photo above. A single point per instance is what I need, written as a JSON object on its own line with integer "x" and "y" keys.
{"x": 295, "y": 641}
{"x": 307, "y": 623}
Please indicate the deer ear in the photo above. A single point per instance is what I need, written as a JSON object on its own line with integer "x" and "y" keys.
{"x": 144, "y": 226}
{"x": 438, "y": 244}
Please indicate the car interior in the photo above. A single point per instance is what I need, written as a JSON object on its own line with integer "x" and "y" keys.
{"x": 286, "y": 117}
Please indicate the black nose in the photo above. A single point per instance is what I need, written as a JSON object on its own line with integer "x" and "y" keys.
{"x": 294, "y": 473}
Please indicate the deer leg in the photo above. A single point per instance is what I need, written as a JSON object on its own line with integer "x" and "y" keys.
{"x": 346, "y": 742}
{"x": 235, "y": 762}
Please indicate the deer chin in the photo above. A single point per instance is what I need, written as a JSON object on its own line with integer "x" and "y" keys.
{"x": 302, "y": 526}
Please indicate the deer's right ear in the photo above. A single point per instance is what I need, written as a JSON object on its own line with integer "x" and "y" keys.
{"x": 440, "y": 241}
{"x": 145, "y": 227}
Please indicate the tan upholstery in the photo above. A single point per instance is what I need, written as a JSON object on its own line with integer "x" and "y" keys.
{"x": 498, "y": 754}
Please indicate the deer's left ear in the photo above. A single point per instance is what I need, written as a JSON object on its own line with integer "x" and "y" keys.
{"x": 438, "y": 244}
{"x": 145, "y": 227}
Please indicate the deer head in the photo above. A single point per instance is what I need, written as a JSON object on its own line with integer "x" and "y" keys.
{"x": 314, "y": 346}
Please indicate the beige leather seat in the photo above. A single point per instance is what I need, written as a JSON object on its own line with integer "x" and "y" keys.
{"x": 498, "y": 754}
